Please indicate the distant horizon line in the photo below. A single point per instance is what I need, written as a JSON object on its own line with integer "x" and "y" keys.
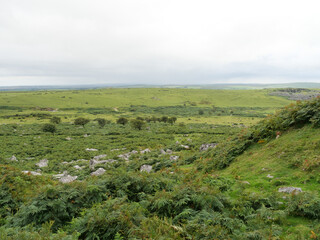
{"x": 234, "y": 86}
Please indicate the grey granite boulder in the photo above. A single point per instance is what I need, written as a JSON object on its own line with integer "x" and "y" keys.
{"x": 99, "y": 172}
{"x": 146, "y": 168}
{"x": 206, "y": 146}
{"x": 42, "y": 163}
{"x": 290, "y": 190}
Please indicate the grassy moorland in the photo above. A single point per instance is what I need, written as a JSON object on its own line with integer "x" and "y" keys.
{"x": 216, "y": 106}
{"x": 214, "y": 172}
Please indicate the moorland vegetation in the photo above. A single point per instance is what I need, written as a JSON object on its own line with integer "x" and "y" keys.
{"x": 138, "y": 171}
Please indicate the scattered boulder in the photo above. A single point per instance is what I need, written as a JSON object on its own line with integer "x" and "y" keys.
{"x": 169, "y": 151}
{"x": 99, "y": 157}
{"x": 185, "y": 146}
{"x": 174, "y": 158}
{"x": 78, "y": 167}
{"x": 13, "y": 158}
{"x": 91, "y": 149}
{"x": 86, "y": 135}
{"x": 245, "y": 182}
{"x": 126, "y": 156}
{"x": 162, "y": 151}
{"x": 32, "y": 173}
{"x": 147, "y": 150}
{"x": 68, "y": 138}
{"x": 94, "y": 162}
{"x": 42, "y": 163}
{"x": 65, "y": 178}
{"x": 146, "y": 168}
{"x": 206, "y": 146}
{"x": 290, "y": 190}
{"x": 269, "y": 176}
{"x": 99, "y": 172}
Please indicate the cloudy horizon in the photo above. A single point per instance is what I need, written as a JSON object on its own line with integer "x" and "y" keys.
{"x": 158, "y": 42}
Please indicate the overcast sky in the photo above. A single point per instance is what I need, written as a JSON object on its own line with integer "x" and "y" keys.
{"x": 45, "y": 42}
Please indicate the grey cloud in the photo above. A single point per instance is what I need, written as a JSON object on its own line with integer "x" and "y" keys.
{"x": 151, "y": 41}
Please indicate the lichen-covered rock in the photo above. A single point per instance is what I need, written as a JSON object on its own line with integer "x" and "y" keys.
{"x": 91, "y": 149}
{"x": 13, "y": 158}
{"x": 294, "y": 190}
{"x": 146, "y": 168}
{"x": 99, "y": 157}
{"x": 147, "y": 150}
{"x": 65, "y": 178}
{"x": 32, "y": 173}
{"x": 185, "y": 146}
{"x": 99, "y": 172}
{"x": 42, "y": 163}
{"x": 174, "y": 158}
{"x": 206, "y": 146}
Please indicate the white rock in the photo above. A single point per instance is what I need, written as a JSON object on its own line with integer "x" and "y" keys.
{"x": 169, "y": 151}
{"x": 65, "y": 178}
{"x": 68, "y": 179}
{"x": 91, "y": 149}
{"x": 32, "y": 173}
{"x": 99, "y": 172}
{"x": 206, "y": 146}
{"x": 77, "y": 167}
{"x": 99, "y": 157}
{"x": 68, "y": 138}
{"x": 290, "y": 190}
{"x": 174, "y": 158}
{"x": 13, "y": 158}
{"x": 146, "y": 168}
{"x": 185, "y": 146}
{"x": 269, "y": 176}
{"x": 147, "y": 150}
{"x": 42, "y": 163}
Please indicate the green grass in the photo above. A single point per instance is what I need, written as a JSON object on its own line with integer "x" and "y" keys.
{"x": 219, "y": 106}
{"x": 288, "y": 159}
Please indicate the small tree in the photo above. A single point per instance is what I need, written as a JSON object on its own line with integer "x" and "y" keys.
{"x": 164, "y": 119}
{"x": 55, "y": 120}
{"x": 122, "y": 121}
{"x": 48, "y": 127}
{"x": 137, "y": 124}
{"x": 81, "y": 121}
{"x": 201, "y": 112}
{"x": 172, "y": 120}
{"x": 102, "y": 122}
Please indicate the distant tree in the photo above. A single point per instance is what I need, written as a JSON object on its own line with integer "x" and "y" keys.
{"x": 164, "y": 119}
{"x": 140, "y": 118}
{"x": 101, "y": 121}
{"x": 122, "y": 121}
{"x": 81, "y": 121}
{"x": 55, "y": 120}
{"x": 137, "y": 124}
{"x": 201, "y": 112}
{"x": 49, "y": 127}
{"x": 172, "y": 120}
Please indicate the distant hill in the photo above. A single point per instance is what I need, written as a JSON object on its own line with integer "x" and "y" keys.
{"x": 195, "y": 86}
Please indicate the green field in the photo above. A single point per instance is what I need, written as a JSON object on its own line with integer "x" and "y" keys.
{"x": 161, "y": 179}
{"x": 218, "y": 106}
